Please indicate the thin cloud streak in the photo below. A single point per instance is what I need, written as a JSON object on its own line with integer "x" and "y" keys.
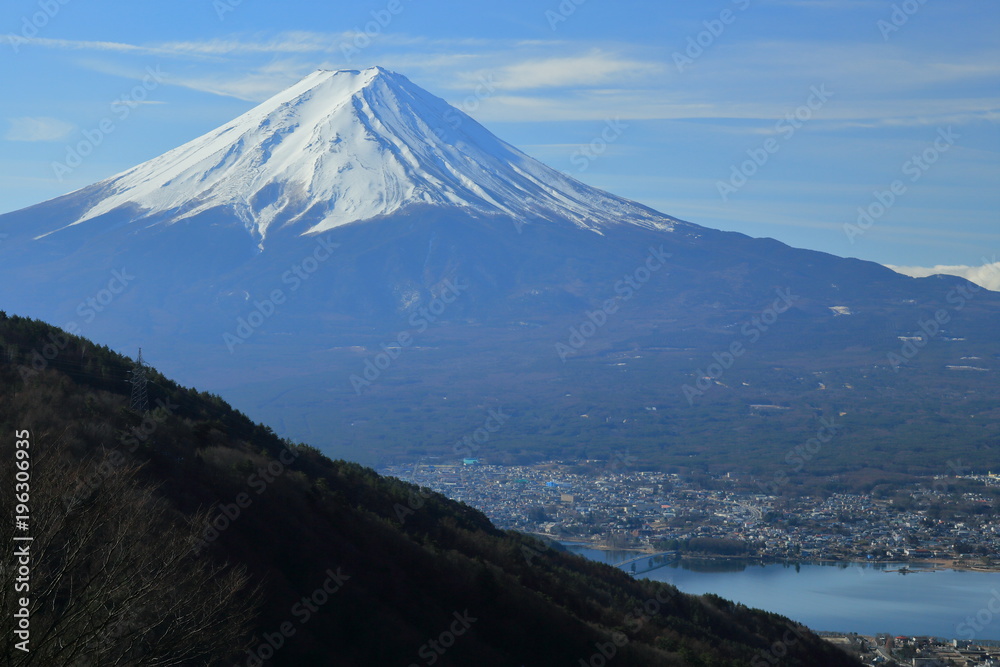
{"x": 39, "y": 128}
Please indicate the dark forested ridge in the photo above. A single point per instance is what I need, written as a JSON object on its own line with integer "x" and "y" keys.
{"x": 191, "y": 536}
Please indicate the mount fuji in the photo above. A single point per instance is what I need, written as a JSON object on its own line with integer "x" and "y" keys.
{"x": 367, "y": 268}
{"x": 346, "y": 146}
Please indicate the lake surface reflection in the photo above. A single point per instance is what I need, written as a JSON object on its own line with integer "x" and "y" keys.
{"x": 845, "y": 597}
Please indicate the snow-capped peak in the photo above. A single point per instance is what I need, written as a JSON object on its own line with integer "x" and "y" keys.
{"x": 344, "y": 146}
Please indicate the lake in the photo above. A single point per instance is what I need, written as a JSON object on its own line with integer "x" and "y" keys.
{"x": 845, "y": 597}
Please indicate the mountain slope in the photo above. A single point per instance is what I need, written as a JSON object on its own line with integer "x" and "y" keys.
{"x": 277, "y": 259}
{"x": 353, "y": 568}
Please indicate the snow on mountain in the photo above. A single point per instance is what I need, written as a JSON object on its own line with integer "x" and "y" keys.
{"x": 345, "y": 146}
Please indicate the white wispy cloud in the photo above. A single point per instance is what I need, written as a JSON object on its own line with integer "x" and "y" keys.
{"x": 285, "y": 42}
{"x": 37, "y": 128}
{"x": 986, "y": 275}
{"x": 564, "y": 80}
{"x": 79, "y": 45}
{"x": 297, "y": 42}
{"x": 595, "y": 68}
{"x": 252, "y": 84}
{"x": 250, "y": 87}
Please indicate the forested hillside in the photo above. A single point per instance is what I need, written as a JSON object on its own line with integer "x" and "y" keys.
{"x": 188, "y": 535}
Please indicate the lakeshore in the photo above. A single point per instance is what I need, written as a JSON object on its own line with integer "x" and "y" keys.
{"x": 916, "y": 565}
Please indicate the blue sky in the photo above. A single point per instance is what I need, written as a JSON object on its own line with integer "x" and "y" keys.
{"x": 776, "y": 118}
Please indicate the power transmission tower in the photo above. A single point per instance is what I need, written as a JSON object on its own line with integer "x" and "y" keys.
{"x": 140, "y": 399}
